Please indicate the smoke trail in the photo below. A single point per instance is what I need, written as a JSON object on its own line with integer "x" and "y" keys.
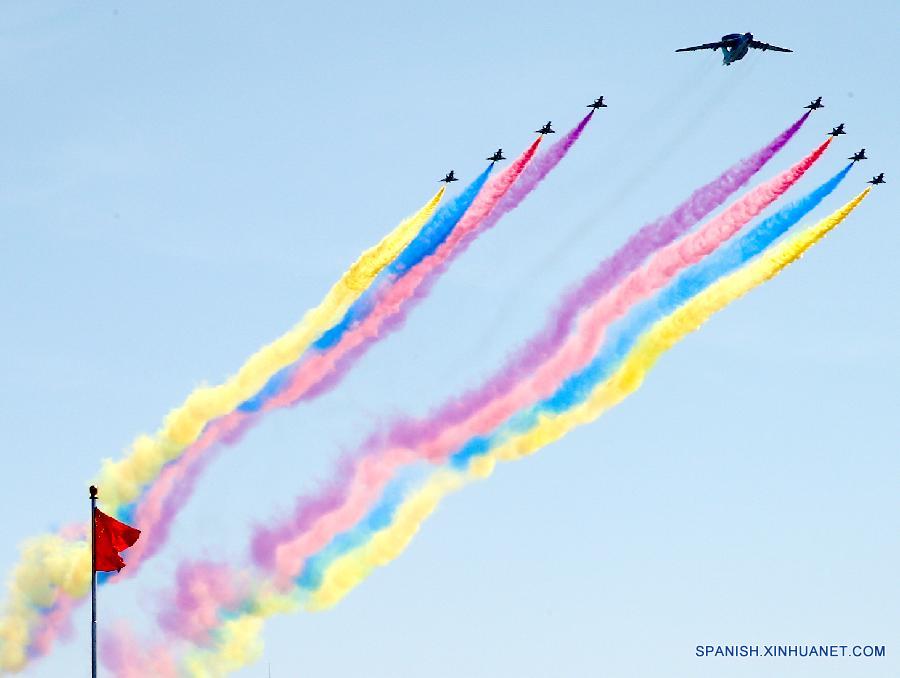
{"x": 405, "y": 517}
{"x": 489, "y": 407}
{"x": 687, "y": 306}
{"x": 424, "y": 435}
{"x": 608, "y": 273}
{"x": 799, "y": 122}
{"x": 123, "y": 480}
{"x": 126, "y": 657}
{"x": 158, "y": 508}
{"x": 661, "y": 268}
{"x": 433, "y": 234}
{"x": 390, "y": 308}
{"x": 51, "y": 565}
{"x": 167, "y": 496}
{"x": 321, "y": 372}
{"x": 319, "y": 520}
{"x": 162, "y": 502}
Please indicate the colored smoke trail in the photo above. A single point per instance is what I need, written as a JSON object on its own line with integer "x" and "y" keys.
{"x": 435, "y": 232}
{"x": 52, "y": 570}
{"x": 454, "y": 215}
{"x": 454, "y": 226}
{"x": 691, "y": 302}
{"x": 287, "y": 551}
{"x": 163, "y": 501}
{"x": 344, "y": 503}
{"x": 406, "y": 517}
{"x": 607, "y": 274}
{"x": 122, "y": 481}
{"x": 158, "y": 508}
{"x": 392, "y": 308}
{"x": 628, "y": 334}
{"x": 126, "y": 657}
{"x": 238, "y": 431}
{"x": 436, "y": 435}
{"x": 531, "y": 178}
{"x": 52, "y": 566}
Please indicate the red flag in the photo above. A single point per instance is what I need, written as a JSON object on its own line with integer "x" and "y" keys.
{"x": 110, "y": 538}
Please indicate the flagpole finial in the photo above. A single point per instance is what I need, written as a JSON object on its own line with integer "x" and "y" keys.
{"x": 93, "y": 492}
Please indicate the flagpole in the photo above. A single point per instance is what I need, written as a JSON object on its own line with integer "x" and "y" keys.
{"x": 93, "y": 582}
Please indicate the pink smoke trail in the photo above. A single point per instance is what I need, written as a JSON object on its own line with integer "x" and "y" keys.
{"x": 203, "y": 589}
{"x": 57, "y": 623}
{"x": 460, "y": 239}
{"x": 638, "y": 247}
{"x": 165, "y": 498}
{"x": 171, "y": 490}
{"x": 576, "y": 352}
{"x": 286, "y": 548}
{"x": 125, "y": 657}
{"x": 269, "y": 547}
{"x": 320, "y": 372}
{"x": 371, "y": 475}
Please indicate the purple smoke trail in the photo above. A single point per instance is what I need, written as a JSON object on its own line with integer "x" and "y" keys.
{"x": 532, "y": 176}
{"x": 641, "y": 245}
{"x": 411, "y": 434}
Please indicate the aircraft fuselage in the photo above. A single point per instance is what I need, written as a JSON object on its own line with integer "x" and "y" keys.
{"x": 736, "y": 47}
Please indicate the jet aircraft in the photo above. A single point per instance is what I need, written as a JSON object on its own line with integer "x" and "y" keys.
{"x": 497, "y": 156}
{"x": 877, "y": 180}
{"x": 735, "y": 46}
{"x": 837, "y": 131}
{"x": 546, "y": 129}
{"x": 813, "y": 105}
{"x": 598, "y": 103}
{"x": 859, "y": 155}
{"x": 449, "y": 177}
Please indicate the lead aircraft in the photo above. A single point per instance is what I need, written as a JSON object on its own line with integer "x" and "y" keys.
{"x": 735, "y": 46}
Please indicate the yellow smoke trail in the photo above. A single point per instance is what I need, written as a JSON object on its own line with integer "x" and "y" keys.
{"x": 240, "y": 641}
{"x": 347, "y": 571}
{"x": 670, "y": 330}
{"x": 50, "y": 564}
{"x": 122, "y": 481}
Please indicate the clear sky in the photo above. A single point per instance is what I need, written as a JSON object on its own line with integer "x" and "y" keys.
{"x": 180, "y": 181}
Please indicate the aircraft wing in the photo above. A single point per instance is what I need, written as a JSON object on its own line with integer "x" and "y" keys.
{"x": 756, "y": 44}
{"x": 708, "y": 45}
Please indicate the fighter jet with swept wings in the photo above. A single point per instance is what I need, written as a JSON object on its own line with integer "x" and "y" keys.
{"x": 877, "y": 180}
{"x": 813, "y": 105}
{"x": 735, "y": 46}
{"x": 598, "y": 103}
{"x": 546, "y": 129}
{"x": 449, "y": 177}
{"x": 497, "y": 156}
{"x": 837, "y": 131}
{"x": 859, "y": 155}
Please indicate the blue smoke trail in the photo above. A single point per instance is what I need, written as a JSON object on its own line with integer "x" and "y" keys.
{"x": 425, "y": 243}
{"x": 380, "y": 517}
{"x": 577, "y": 388}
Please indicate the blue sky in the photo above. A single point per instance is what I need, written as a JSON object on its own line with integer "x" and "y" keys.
{"x": 179, "y": 182}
